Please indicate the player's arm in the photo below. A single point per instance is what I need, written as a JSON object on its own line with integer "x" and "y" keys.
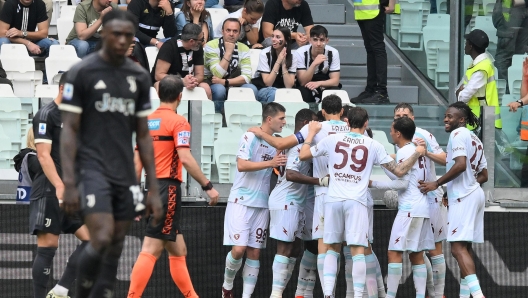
{"x": 146, "y": 152}
{"x": 48, "y": 166}
{"x": 458, "y": 168}
{"x": 297, "y": 177}
{"x": 193, "y": 168}
{"x": 276, "y": 142}
{"x": 244, "y": 165}
{"x": 68, "y": 151}
{"x": 138, "y": 166}
{"x": 439, "y": 158}
{"x": 401, "y": 169}
{"x": 393, "y": 184}
{"x": 482, "y": 176}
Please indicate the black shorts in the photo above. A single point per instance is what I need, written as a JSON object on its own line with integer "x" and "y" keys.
{"x": 169, "y": 226}
{"x": 98, "y": 195}
{"x": 46, "y": 216}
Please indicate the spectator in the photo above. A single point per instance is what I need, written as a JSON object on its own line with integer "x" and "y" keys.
{"x": 318, "y": 66}
{"x": 87, "y": 25}
{"x": 183, "y": 57}
{"x": 3, "y": 77}
{"x": 18, "y": 21}
{"x": 227, "y": 63}
{"x": 193, "y": 11}
{"x": 276, "y": 67}
{"x": 137, "y": 53}
{"x": 153, "y": 15}
{"x": 371, "y": 22}
{"x": 233, "y": 5}
{"x": 49, "y": 9}
{"x": 479, "y": 87}
{"x": 249, "y": 17}
{"x": 208, "y": 4}
{"x": 289, "y": 14}
{"x": 512, "y": 32}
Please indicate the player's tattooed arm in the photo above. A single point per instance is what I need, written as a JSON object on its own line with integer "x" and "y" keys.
{"x": 401, "y": 169}
{"x": 68, "y": 152}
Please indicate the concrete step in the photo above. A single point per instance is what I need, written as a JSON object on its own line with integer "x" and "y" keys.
{"x": 397, "y": 94}
{"x": 346, "y": 30}
{"x": 360, "y": 72}
{"x": 313, "y": 2}
{"x": 356, "y": 55}
{"x": 328, "y": 13}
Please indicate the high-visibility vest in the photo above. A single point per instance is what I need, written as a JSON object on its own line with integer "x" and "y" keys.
{"x": 492, "y": 96}
{"x": 524, "y": 123}
{"x": 366, "y": 9}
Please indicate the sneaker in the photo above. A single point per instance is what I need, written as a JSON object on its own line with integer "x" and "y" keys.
{"x": 299, "y": 296}
{"x": 52, "y": 294}
{"x": 227, "y": 293}
{"x": 377, "y": 99}
{"x": 361, "y": 97}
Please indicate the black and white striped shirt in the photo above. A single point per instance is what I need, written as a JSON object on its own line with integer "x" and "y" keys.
{"x": 24, "y": 18}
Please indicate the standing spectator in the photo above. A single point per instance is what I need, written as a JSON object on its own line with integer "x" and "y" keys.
{"x": 153, "y": 15}
{"x": 370, "y": 16}
{"x": 249, "y": 17}
{"x": 289, "y": 14}
{"x": 19, "y": 20}
{"x": 183, "y": 57}
{"x": 193, "y": 11}
{"x": 227, "y": 63}
{"x": 318, "y": 66}
{"x": 276, "y": 67}
{"x": 512, "y": 32}
{"x": 87, "y": 25}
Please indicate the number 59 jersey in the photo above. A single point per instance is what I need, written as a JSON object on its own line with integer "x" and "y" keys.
{"x": 463, "y": 142}
{"x": 350, "y": 160}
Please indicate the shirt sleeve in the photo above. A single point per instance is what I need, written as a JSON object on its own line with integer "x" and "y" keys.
{"x": 43, "y": 129}
{"x": 477, "y": 81}
{"x": 182, "y": 134}
{"x": 212, "y": 60}
{"x": 293, "y": 67}
{"x": 300, "y": 60}
{"x": 169, "y": 26}
{"x": 245, "y": 62}
{"x": 198, "y": 57}
{"x": 80, "y": 15}
{"x": 73, "y": 94}
{"x": 458, "y": 144}
{"x": 41, "y": 12}
{"x": 263, "y": 66}
{"x": 8, "y": 12}
{"x": 336, "y": 62}
{"x": 166, "y": 52}
{"x": 143, "y": 106}
{"x": 244, "y": 148}
{"x": 270, "y": 12}
{"x": 381, "y": 155}
{"x": 306, "y": 19}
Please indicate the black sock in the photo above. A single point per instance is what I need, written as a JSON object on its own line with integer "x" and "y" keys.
{"x": 104, "y": 287}
{"x": 87, "y": 270}
{"x": 69, "y": 274}
{"x": 42, "y": 270}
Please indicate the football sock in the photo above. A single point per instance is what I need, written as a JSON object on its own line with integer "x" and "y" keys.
{"x": 231, "y": 269}
{"x": 439, "y": 273}
{"x": 140, "y": 275}
{"x": 306, "y": 279}
{"x": 280, "y": 275}
{"x": 330, "y": 272}
{"x": 348, "y": 272}
{"x": 420, "y": 279}
{"x": 474, "y": 286}
{"x": 180, "y": 276}
{"x": 104, "y": 286}
{"x": 393, "y": 279}
{"x": 359, "y": 274}
{"x": 250, "y": 275}
{"x": 379, "y": 278}
{"x": 69, "y": 273}
{"x": 320, "y": 268}
{"x": 42, "y": 270}
{"x": 464, "y": 289}
{"x": 90, "y": 262}
{"x": 371, "y": 284}
{"x": 291, "y": 266}
{"x": 430, "y": 277}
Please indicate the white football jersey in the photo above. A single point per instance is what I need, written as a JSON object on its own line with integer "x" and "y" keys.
{"x": 433, "y": 147}
{"x": 287, "y": 194}
{"x": 411, "y": 201}
{"x": 320, "y": 164}
{"x": 463, "y": 142}
{"x": 252, "y": 188}
{"x": 350, "y": 160}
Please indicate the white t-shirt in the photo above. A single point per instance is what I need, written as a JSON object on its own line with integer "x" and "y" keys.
{"x": 236, "y": 14}
{"x": 463, "y": 142}
{"x": 320, "y": 164}
{"x": 411, "y": 201}
{"x": 304, "y": 59}
{"x": 252, "y": 188}
{"x": 350, "y": 160}
{"x": 287, "y": 194}
{"x": 433, "y": 147}
{"x": 266, "y": 64}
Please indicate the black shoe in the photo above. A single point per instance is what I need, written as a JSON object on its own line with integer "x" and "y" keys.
{"x": 361, "y": 97}
{"x": 377, "y": 99}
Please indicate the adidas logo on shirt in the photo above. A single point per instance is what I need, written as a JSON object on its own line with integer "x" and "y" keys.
{"x": 100, "y": 85}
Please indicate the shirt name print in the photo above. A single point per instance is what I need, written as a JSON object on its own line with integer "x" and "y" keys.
{"x": 125, "y": 106}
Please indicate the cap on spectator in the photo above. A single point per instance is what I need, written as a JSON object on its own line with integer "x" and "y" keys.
{"x": 478, "y": 38}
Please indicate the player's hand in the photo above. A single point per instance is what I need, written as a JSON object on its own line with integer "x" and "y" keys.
{"x": 514, "y": 106}
{"x": 314, "y": 126}
{"x": 154, "y": 208}
{"x": 105, "y": 11}
{"x": 257, "y": 131}
{"x": 229, "y": 47}
{"x": 278, "y": 161}
{"x": 213, "y": 195}
{"x": 70, "y": 200}
{"x": 324, "y": 181}
{"x": 426, "y": 187}
{"x": 313, "y": 85}
{"x": 33, "y": 48}
{"x": 421, "y": 150}
{"x": 14, "y": 32}
{"x": 319, "y": 59}
{"x": 389, "y": 9}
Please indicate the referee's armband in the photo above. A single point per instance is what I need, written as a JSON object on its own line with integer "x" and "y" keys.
{"x": 299, "y": 136}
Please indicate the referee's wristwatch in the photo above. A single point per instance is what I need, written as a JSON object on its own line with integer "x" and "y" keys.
{"x": 208, "y": 186}
{"x": 519, "y": 101}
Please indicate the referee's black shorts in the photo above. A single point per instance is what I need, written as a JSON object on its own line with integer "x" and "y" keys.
{"x": 169, "y": 226}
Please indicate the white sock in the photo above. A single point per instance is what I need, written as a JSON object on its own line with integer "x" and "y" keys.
{"x": 439, "y": 273}
{"x": 474, "y": 286}
{"x": 60, "y": 290}
{"x": 430, "y": 280}
{"x": 379, "y": 278}
{"x": 320, "y": 268}
{"x": 348, "y": 272}
{"x": 420, "y": 279}
{"x": 291, "y": 266}
{"x": 393, "y": 279}
{"x": 231, "y": 269}
{"x": 359, "y": 274}
{"x": 250, "y": 275}
{"x": 306, "y": 277}
{"x": 464, "y": 289}
{"x": 330, "y": 272}
{"x": 371, "y": 284}
{"x": 280, "y": 274}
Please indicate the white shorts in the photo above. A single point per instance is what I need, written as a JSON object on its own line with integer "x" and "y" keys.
{"x": 318, "y": 217}
{"x": 245, "y": 226}
{"x": 411, "y": 234}
{"x": 370, "y": 210}
{"x": 438, "y": 215}
{"x": 346, "y": 221}
{"x": 285, "y": 225}
{"x": 466, "y": 218}
{"x": 306, "y": 234}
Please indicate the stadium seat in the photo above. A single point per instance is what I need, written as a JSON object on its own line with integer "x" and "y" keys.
{"x": 152, "y": 53}
{"x": 198, "y": 93}
{"x": 507, "y": 98}
{"x": 413, "y": 13}
{"x": 14, "y": 120}
{"x": 345, "y": 99}
{"x": 20, "y": 69}
{"x": 64, "y": 27}
{"x": 243, "y": 114}
{"x": 380, "y": 136}
{"x": 64, "y": 51}
{"x": 226, "y": 148}
{"x": 68, "y": 11}
{"x": 288, "y": 95}
{"x": 154, "y": 99}
{"x": 218, "y": 15}
{"x": 241, "y": 94}
{"x": 57, "y": 10}
{"x": 211, "y": 123}
{"x": 441, "y": 6}
{"x": 487, "y": 6}
{"x": 183, "y": 109}
{"x": 46, "y": 91}
{"x": 61, "y": 63}
{"x": 6, "y": 152}
{"x": 255, "y": 57}
{"x": 515, "y": 74}
{"x": 291, "y": 110}
{"x": 160, "y": 34}
{"x": 436, "y": 43}
{"x": 6, "y": 91}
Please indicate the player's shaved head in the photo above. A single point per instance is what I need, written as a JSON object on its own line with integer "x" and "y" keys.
{"x": 357, "y": 117}
{"x": 170, "y": 88}
{"x": 332, "y": 104}
{"x": 271, "y": 110}
{"x": 405, "y": 126}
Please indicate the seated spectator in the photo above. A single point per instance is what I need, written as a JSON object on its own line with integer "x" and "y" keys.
{"x": 249, "y": 17}
{"x": 153, "y": 15}
{"x": 208, "y": 4}
{"x": 289, "y": 14}
{"x": 318, "y": 66}
{"x": 184, "y": 57}
{"x": 18, "y": 21}
{"x": 3, "y": 77}
{"x": 193, "y": 11}
{"x": 276, "y": 67}
{"x": 87, "y": 25}
{"x": 137, "y": 53}
{"x": 227, "y": 63}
